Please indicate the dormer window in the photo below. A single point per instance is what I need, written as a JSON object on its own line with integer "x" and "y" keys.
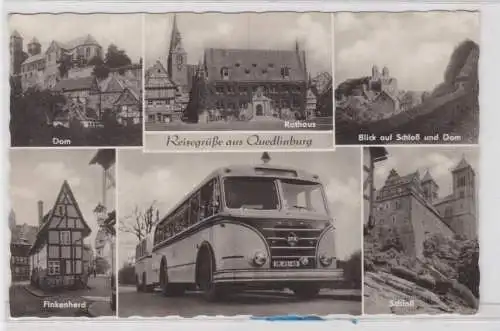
{"x": 285, "y": 72}
{"x": 254, "y": 65}
{"x": 224, "y": 72}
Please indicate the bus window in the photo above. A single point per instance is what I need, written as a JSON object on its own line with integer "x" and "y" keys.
{"x": 194, "y": 208}
{"x": 303, "y": 195}
{"x": 251, "y": 193}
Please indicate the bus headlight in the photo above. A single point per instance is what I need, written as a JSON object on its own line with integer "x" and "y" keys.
{"x": 259, "y": 259}
{"x": 325, "y": 260}
{"x": 304, "y": 261}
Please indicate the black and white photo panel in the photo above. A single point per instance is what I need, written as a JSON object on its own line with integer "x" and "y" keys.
{"x": 75, "y": 80}
{"x": 246, "y": 234}
{"x": 62, "y": 233}
{"x": 407, "y": 77}
{"x": 421, "y": 250}
{"x": 231, "y": 73}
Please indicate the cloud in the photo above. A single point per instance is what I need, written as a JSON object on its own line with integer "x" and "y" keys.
{"x": 243, "y": 30}
{"x": 347, "y": 193}
{"x": 416, "y": 47}
{"x": 57, "y": 171}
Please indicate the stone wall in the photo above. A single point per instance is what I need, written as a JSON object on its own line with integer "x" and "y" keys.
{"x": 425, "y": 222}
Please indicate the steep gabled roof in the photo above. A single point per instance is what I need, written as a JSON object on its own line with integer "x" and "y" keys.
{"x": 76, "y": 84}
{"x": 34, "y": 58}
{"x": 157, "y": 77}
{"x": 428, "y": 177}
{"x": 462, "y": 164}
{"x": 65, "y": 193}
{"x": 254, "y": 64}
{"x": 16, "y": 34}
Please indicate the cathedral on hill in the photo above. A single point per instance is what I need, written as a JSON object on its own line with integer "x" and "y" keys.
{"x": 235, "y": 84}
{"x": 41, "y": 68}
{"x": 415, "y": 208}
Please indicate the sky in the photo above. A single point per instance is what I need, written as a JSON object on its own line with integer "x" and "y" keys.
{"x": 243, "y": 30}
{"x": 123, "y": 30}
{"x": 167, "y": 178}
{"x": 39, "y": 174}
{"x": 438, "y": 160}
{"x": 415, "y": 46}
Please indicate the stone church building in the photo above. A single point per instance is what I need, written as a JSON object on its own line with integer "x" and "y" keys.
{"x": 240, "y": 83}
{"x": 414, "y": 207}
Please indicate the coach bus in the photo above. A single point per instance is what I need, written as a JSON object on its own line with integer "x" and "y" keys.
{"x": 143, "y": 264}
{"x": 248, "y": 228}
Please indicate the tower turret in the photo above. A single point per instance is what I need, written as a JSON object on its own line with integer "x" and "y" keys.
{"x": 464, "y": 192}
{"x": 34, "y": 47}
{"x": 429, "y": 187}
{"x": 16, "y": 53}
{"x": 177, "y": 58}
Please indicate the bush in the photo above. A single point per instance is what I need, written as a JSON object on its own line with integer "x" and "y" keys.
{"x": 126, "y": 275}
{"x": 352, "y": 270}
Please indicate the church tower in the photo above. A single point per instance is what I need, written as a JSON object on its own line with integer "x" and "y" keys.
{"x": 16, "y": 53}
{"x": 177, "y": 58}
{"x": 34, "y": 47}
{"x": 430, "y": 187}
{"x": 464, "y": 219}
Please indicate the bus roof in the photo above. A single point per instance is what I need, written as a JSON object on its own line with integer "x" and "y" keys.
{"x": 256, "y": 170}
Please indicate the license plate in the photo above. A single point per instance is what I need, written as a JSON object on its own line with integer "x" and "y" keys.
{"x": 286, "y": 264}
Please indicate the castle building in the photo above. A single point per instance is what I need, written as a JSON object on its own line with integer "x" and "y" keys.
{"x": 412, "y": 205}
{"x": 41, "y": 68}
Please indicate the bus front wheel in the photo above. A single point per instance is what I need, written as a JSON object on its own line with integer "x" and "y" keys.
{"x": 205, "y": 269}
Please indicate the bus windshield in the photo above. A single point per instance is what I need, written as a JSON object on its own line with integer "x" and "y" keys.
{"x": 251, "y": 193}
{"x": 302, "y": 195}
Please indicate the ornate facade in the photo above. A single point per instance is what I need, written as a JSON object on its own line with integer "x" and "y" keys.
{"x": 412, "y": 205}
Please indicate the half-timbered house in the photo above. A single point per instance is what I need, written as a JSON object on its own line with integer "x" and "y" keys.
{"x": 56, "y": 257}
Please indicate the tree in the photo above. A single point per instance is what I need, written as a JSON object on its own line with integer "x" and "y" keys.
{"x": 116, "y": 58}
{"x": 64, "y": 64}
{"x": 101, "y": 265}
{"x": 352, "y": 269}
{"x": 141, "y": 223}
{"x": 101, "y": 70}
{"x": 31, "y": 114}
{"x": 197, "y": 100}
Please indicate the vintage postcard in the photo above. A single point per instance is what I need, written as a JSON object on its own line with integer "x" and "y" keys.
{"x": 407, "y": 78}
{"x": 245, "y": 234}
{"x": 75, "y": 80}
{"x": 238, "y": 72}
{"x": 421, "y": 230}
{"x": 62, "y": 226}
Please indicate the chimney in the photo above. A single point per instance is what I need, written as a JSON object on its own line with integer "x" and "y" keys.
{"x": 40, "y": 212}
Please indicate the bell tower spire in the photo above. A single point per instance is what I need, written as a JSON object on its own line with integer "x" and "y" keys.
{"x": 177, "y": 58}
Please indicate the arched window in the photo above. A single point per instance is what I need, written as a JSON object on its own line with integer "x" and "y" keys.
{"x": 180, "y": 59}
